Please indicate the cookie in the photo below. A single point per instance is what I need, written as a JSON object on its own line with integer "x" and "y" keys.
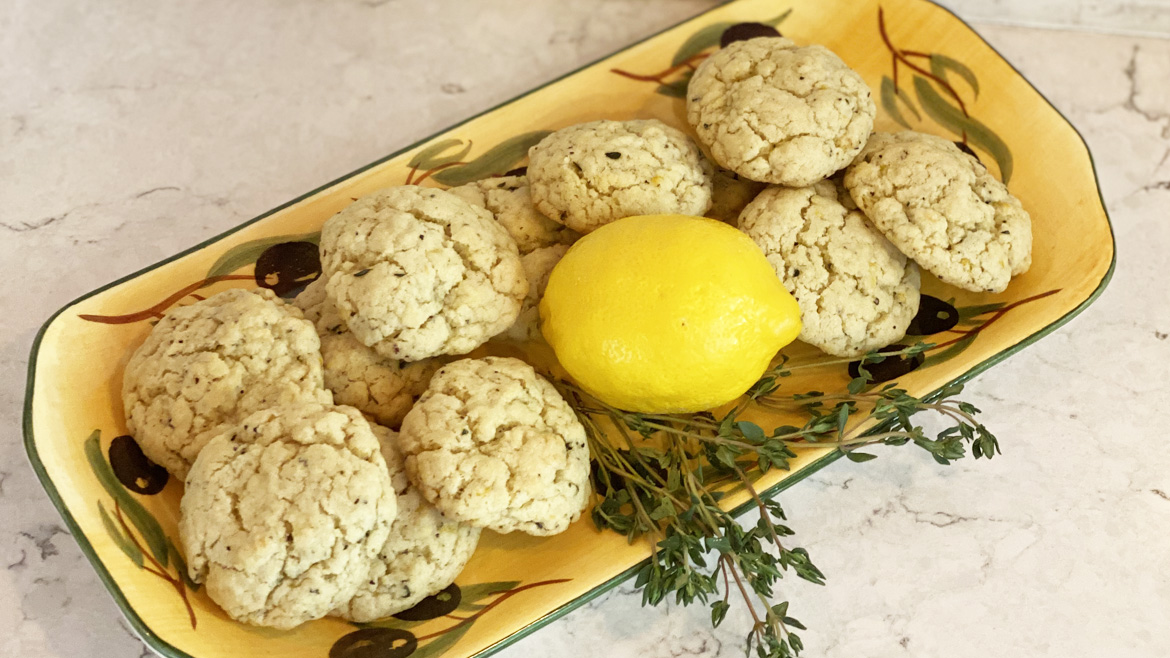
{"x": 417, "y": 272}
{"x": 423, "y": 553}
{"x": 538, "y": 266}
{"x": 588, "y": 175}
{"x": 493, "y": 444}
{"x": 284, "y": 514}
{"x": 313, "y": 302}
{"x": 856, "y": 292}
{"x": 730, "y": 194}
{"x": 380, "y": 387}
{"x": 941, "y": 208}
{"x": 214, "y": 362}
{"x": 775, "y": 112}
{"x": 509, "y": 200}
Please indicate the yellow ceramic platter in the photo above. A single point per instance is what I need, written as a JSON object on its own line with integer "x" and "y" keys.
{"x": 928, "y": 71}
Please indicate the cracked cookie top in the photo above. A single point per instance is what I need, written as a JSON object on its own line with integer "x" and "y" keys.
{"x": 283, "y": 513}
{"x": 509, "y": 200}
{"x": 856, "y": 291}
{"x": 382, "y": 387}
{"x": 417, "y": 272}
{"x": 588, "y": 175}
{"x": 941, "y": 208}
{"x": 493, "y": 444}
{"x": 214, "y": 362}
{"x": 778, "y": 113}
{"x": 423, "y": 554}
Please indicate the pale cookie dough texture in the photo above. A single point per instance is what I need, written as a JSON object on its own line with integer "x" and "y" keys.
{"x": 856, "y": 292}
{"x": 941, "y": 208}
{"x": 382, "y": 387}
{"x": 284, "y": 514}
{"x": 423, "y": 553}
{"x": 509, "y": 200}
{"x": 730, "y": 195}
{"x": 591, "y": 174}
{"x": 493, "y": 444}
{"x": 214, "y": 362}
{"x": 538, "y": 266}
{"x": 417, "y": 272}
{"x": 778, "y": 113}
{"x": 314, "y": 303}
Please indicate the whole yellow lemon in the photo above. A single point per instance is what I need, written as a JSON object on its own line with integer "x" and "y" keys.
{"x": 666, "y": 313}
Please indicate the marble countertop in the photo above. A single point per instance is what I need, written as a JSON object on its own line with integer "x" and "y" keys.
{"x": 129, "y": 131}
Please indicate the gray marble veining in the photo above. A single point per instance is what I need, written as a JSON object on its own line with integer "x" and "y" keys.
{"x": 129, "y": 131}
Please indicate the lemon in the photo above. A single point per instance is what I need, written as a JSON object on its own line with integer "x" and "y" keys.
{"x": 666, "y": 313}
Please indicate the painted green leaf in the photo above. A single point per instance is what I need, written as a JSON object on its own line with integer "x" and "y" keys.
{"x": 439, "y": 646}
{"x": 474, "y": 593}
{"x": 699, "y": 41}
{"x": 950, "y": 352}
{"x": 953, "y": 119}
{"x": 119, "y": 538}
{"x": 246, "y": 254}
{"x": 966, "y": 313}
{"x": 709, "y": 36}
{"x": 498, "y": 160}
{"x": 181, "y": 566}
{"x": 424, "y": 156}
{"x": 890, "y": 98}
{"x": 146, "y": 525}
{"x": 676, "y": 89}
{"x": 940, "y": 65}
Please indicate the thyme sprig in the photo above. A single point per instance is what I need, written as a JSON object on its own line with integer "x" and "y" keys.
{"x": 662, "y": 477}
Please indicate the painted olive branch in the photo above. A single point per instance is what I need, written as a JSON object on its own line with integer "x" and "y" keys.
{"x": 158, "y": 569}
{"x": 504, "y": 596}
{"x": 902, "y": 56}
{"x": 661, "y": 76}
{"x": 156, "y": 311}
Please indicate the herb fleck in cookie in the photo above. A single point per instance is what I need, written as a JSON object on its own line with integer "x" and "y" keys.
{"x": 423, "y": 553}
{"x": 214, "y": 362}
{"x": 941, "y": 208}
{"x": 384, "y": 388}
{"x": 493, "y": 444}
{"x": 417, "y": 272}
{"x": 509, "y": 199}
{"x": 779, "y": 113}
{"x": 538, "y": 266}
{"x": 283, "y": 514}
{"x": 856, "y": 291}
{"x": 588, "y": 175}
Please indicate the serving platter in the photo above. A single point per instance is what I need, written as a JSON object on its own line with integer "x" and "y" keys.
{"x": 928, "y": 70}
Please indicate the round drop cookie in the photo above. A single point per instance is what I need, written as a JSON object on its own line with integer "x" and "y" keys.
{"x": 941, "y": 208}
{"x": 856, "y": 291}
{"x": 314, "y": 303}
{"x": 214, "y": 362}
{"x": 493, "y": 444}
{"x": 359, "y": 377}
{"x": 730, "y": 195}
{"x": 588, "y": 175}
{"x": 417, "y": 272}
{"x": 424, "y": 552}
{"x": 283, "y": 514}
{"x": 509, "y": 200}
{"x": 776, "y": 112}
{"x": 538, "y": 266}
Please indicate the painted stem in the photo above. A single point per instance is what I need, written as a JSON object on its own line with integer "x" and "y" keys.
{"x": 503, "y": 597}
{"x": 156, "y": 311}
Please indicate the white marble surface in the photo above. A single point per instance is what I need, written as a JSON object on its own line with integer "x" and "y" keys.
{"x": 131, "y": 130}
